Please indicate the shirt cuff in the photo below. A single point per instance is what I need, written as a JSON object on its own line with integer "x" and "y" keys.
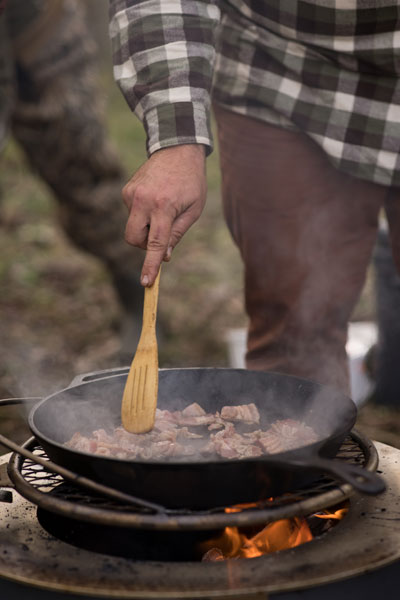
{"x": 178, "y": 123}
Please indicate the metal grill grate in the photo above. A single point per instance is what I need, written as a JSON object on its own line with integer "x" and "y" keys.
{"x": 50, "y": 491}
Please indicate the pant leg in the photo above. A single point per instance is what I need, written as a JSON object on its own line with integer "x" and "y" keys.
{"x": 387, "y": 351}
{"x": 392, "y": 208}
{"x": 305, "y": 233}
{"x": 387, "y": 258}
{"x": 7, "y": 84}
{"x": 58, "y": 120}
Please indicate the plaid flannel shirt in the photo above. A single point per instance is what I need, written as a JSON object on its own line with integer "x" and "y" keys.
{"x": 329, "y": 68}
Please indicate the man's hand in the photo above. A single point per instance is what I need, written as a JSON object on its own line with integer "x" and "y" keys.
{"x": 164, "y": 198}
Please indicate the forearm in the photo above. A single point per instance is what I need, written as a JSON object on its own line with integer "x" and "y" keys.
{"x": 163, "y": 53}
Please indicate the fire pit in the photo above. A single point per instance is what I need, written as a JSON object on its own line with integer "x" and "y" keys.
{"x": 44, "y": 546}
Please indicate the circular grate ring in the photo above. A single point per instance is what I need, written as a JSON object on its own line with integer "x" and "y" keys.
{"x": 51, "y": 492}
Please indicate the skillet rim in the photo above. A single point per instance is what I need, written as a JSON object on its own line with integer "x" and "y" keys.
{"x": 289, "y": 456}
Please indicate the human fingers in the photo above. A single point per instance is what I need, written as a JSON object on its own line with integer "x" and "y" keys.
{"x": 137, "y": 230}
{"x": 180, "y": 226}
{"x": 137, "y": 225}
{"x": 157, "y": 246}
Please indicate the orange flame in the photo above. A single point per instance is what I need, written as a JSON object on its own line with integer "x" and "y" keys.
{"x": 280, "y": 535}
{"x": 338, "y": 514}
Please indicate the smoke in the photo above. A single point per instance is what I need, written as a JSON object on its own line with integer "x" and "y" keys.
{"x": 30, "y": 370}
{"x": 96, "y": 404}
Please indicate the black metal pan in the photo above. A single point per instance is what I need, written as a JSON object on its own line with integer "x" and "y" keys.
{"x": 95, "y": 403}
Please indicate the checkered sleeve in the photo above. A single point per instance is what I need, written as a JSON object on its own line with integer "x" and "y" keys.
{"x": 163, "y": 53}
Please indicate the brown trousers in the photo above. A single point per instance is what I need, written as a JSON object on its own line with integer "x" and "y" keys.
{"x": 306, "y": 233}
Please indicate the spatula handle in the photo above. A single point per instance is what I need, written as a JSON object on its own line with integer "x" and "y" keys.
{"x": 150, "y": 304}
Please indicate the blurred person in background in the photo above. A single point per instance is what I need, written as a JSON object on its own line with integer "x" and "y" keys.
{"x": 384, "y": 357}
{"x": 307, "y": 103}
{"x": 50, "y": 101}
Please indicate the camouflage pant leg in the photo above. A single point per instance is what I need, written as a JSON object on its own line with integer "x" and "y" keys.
{"x": 6, "y": 81}
{"x": 58, "y": 120}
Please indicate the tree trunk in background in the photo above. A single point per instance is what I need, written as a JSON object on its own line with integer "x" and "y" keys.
{"x": 97, "y": 12}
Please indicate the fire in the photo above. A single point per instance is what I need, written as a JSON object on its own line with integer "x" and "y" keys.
{"x": 279, "y": 535}
{"x": 338, "y": 514}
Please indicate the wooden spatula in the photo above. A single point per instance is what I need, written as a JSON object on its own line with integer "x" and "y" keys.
{"x": 139, "y": 401}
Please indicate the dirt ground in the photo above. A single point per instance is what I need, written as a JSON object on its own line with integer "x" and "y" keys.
{"x": 380, "y": 423}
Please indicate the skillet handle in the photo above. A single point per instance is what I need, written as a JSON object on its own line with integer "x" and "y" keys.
{"x": 366, "y": 482}
{"x": 11, "y": 401}
{"x": 93, "y": 375}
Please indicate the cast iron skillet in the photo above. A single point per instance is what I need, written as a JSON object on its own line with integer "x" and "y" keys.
{"x": 199, "y": 485}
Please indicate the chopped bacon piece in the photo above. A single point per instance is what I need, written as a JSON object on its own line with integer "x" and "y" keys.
{"x": 287, "y": 434}
{"x": 79, "y": 442}
{"x": 102, "y": 451}
{"x": 217, "y": 424}
{"x": 122, "y": 455}
{"x": 227, "y": 432}
{"x": 161, "y": 425}
{"x": 184, "y": 432}
{"x": 252, "y": 451}
{"x": 195, "y": 421}
{"x": 230, "y": 444}
{"x": 193, "y": 410}
{"x": 243, "y": 412}
{"x": 186, "y": 451}
{"x": 225, "y": 450}
{"x": 167, "y": 422}
{"x": 169, "y": 434}
{"x": 271, "y": 443}
{"x": 172, "y": 437}
{"x": 159, "y": 449}
{"x": 253, "y": 435}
